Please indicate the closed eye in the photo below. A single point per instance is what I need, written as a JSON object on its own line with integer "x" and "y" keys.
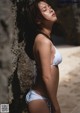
{"x": 44, "y": 9}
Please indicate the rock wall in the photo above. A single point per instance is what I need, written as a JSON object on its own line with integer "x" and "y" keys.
{"x": 8, "y": 46}
{"x": 69, "y": 19}
{"x": 76, "y": 13}
{"x": 16, "y": 67}
{"x": 67, "y": 29}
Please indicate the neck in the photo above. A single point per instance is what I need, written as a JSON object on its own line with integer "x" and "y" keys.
{"x": 46, "y": 31}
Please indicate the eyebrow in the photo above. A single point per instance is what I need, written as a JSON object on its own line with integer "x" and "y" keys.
{"x": 44, "y": 6}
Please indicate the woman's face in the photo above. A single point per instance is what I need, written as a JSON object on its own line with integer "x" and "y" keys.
{"x": 47, "y": 12}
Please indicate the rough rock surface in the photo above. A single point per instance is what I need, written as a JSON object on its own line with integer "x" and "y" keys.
{"x": 8, "y": 46}
{"x": 16, "y": 68}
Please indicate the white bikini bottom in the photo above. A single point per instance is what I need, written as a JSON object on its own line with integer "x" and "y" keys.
{"x": 32, "y": 95}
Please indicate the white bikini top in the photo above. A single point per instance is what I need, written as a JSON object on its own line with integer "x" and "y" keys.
{"x": 57, "y": 58}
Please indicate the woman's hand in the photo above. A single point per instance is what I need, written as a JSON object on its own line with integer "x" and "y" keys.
{"x": 56, "y": 109}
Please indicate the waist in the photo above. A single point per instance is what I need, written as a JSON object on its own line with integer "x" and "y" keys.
{"x": 41, "y": 90}
{"x": 39, "y": 85}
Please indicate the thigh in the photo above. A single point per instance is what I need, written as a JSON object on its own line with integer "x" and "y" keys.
{"x": 38, "y": 106}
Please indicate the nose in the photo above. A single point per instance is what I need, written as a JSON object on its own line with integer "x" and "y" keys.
{"x": 50, "y": 9}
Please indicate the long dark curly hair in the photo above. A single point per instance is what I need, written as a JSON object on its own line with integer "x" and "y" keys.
{"x": 33, "y": 15}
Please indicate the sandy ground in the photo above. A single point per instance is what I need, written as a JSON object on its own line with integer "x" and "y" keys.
{"x": 69, "y": 84}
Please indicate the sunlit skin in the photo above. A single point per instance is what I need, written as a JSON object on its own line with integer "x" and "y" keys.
{"x": 49, "y": 17}
{"x": 48, "y": 75}
{"x": 47, "y": 11}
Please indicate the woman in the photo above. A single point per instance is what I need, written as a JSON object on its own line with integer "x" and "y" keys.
{"x": 42, "y": 98}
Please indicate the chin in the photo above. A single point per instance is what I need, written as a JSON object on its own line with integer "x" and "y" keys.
{"x": 54, "y": 19}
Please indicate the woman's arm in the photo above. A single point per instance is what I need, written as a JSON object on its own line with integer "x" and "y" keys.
{"x": 43, "y": 47}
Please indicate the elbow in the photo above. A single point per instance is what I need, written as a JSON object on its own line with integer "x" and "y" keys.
{"x": 46, "y": 78}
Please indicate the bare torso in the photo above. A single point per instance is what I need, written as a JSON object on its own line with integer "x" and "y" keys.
{"x": 39, "y": 85}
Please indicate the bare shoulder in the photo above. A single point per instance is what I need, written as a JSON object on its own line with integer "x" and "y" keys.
{"x": 42, "y": 47}
{"x": 42, "y": 40}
